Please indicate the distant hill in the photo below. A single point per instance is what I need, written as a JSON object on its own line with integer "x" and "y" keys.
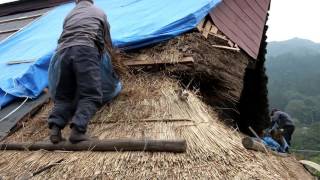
{"x": 295, "y": 46}
{"x": 294, "y": 65}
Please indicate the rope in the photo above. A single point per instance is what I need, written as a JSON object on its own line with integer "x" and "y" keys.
{"x": 13, "y": 111}
{"x": 3, "y": 99}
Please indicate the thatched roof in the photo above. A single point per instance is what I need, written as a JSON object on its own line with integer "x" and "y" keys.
{"x": 214, "y": 150}
{"x": 150, "y": 106}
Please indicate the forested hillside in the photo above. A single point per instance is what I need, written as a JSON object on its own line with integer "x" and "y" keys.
{"x": 293, "y": 68}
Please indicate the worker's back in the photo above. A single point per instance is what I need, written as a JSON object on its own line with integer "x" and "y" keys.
{"x": 282, "y": 119}
{"x": 85, "y": 25}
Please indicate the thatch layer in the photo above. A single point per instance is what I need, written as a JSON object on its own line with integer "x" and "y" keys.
{"x": 150, "y": 107}
{"x": 217, "y": 73}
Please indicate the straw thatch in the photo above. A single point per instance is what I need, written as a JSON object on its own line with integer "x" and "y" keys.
{"x": 143, "y": 110}
{"x": 151, "y": 106}
{"x": 217, "y": 73}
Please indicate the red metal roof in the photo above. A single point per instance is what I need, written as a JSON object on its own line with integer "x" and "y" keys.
{"x": 243, "y": 22}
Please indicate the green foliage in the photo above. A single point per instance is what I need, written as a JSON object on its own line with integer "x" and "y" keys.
{"x": 293, "y": 68}
{"x": 307, "y": 137}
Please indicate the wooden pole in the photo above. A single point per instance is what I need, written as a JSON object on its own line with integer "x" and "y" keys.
{"x": 250, "y": 143}
{"x": 9, "y": 31}
{"x": 184, "y": 60}
{"x": 226, "y": 47}
{"x": 176, "y": 146}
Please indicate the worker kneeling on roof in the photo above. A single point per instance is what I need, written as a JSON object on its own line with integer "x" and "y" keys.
{"x": 81, "y": 78}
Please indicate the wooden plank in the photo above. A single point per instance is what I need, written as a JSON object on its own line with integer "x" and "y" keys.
{"x": 9, "y": 31}
{"x": 176, "y": 146}
{"x": 144, "y": 121}
{"x": 206, "y": 29}
{"x": 311, "y": 164}
{"x": 21, "y": 62}
{"x": 200, "y": 25}
{"x": 226, "y": 47}
{"x": 231, "y": 44}
{"x": 10, "y": 122}
{"x": 148, "y": 63}
{"x": 214, "y": 30}
{"x": 20, "y": 18}
{"x": 219, "y": 36}
{"x": 250, "y": 143}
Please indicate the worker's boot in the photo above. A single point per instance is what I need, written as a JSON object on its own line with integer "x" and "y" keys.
{"x": 55, "y": 134}
{"x": 77, "y": 136}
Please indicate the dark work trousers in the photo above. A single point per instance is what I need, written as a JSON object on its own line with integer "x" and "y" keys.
{"x": 78, "y": 92}
{"x": 287, "y": 134}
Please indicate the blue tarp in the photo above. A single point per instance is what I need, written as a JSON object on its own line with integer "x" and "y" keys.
{"x": 134, "y": 23}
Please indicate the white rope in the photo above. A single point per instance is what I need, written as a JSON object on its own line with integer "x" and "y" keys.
{"x": 16, "y": 109}
{"x": 3, "y": 100}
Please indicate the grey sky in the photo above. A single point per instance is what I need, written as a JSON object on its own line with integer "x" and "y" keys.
{"x": 4, "y": 1}
{"x": 294, "y": 18}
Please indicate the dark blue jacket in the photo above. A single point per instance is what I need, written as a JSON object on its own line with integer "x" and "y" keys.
{"x": 281, "y": 119}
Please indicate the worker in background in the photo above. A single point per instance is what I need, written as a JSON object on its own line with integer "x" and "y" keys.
{"x": 283, "y": 122}
{"x": 78, "y": 70}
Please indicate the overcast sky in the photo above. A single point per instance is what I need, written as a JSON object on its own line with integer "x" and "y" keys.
{"x": 294, "y": 18}
{"x": 4, "y": 1}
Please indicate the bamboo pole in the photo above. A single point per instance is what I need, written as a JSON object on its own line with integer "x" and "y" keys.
{"x": 176, "y": 146}
{"x": 144, "y": 63}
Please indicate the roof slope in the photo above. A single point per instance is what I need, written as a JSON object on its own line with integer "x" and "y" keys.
{"x": 243, "y": 22}
{"x": 214, "y": 150}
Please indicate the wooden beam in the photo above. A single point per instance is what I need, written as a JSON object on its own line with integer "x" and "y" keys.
{"x": 9, "y": 31}
{"x": 20, "y": 18}
{"x": 253, "y": 144}
{"x": 226, "y": 47}
{"x": 207, "y": 29}
{"x": 200, "y": 25}
{"x": 144, "y": 121}
{"x": 21, "y": 62}
{"x": 219, "y": 36}
{"x": 213, "y": 30}
{"x": 250, "y": 143}
{"x": 176, "y": 146}
{"x": 146, "y": 63}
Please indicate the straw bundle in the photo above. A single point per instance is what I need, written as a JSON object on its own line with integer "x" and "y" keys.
{"x": 149, "y": 107}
